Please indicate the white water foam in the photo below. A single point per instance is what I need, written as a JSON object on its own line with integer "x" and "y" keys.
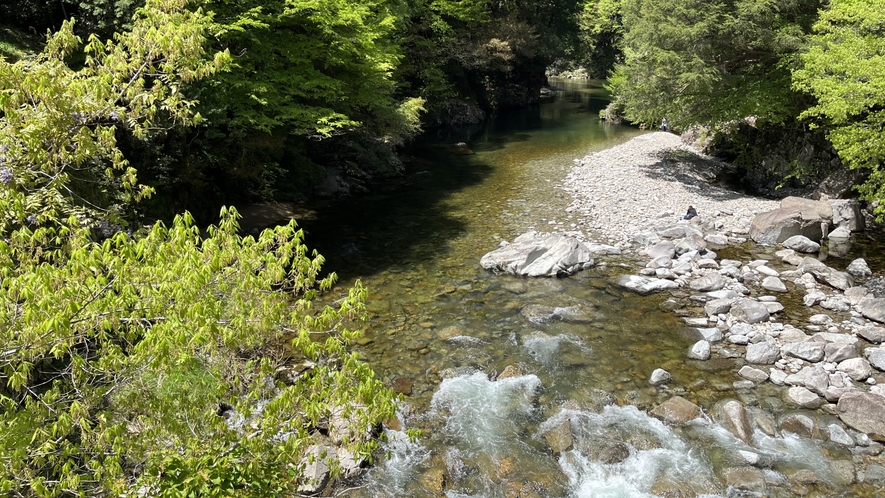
{"x": 635, "y": 476}
{"x": 545, "y": 348}
{"x": 481, "y": 415}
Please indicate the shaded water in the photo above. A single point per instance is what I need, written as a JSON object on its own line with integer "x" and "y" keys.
{"x": 445, "y": 324}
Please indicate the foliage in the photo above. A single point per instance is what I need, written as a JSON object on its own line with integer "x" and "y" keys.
{"x": 713, "y": 62}
{"x": 115, "y": 364}
{"x": 601, "y": 35}
{"x": 844, "y": 69}
{"x": 59, "y": 160}
{"x": 149, "y": 362}
{"x": 15, "y": 44}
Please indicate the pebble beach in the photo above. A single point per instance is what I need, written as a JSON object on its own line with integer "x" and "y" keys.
{"x": 652, "y": 180}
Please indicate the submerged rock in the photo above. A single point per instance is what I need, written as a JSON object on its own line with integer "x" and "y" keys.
{"x": 677, "y": 410}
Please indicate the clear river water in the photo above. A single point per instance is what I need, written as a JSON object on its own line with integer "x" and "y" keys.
{"x": 440, "y": 327}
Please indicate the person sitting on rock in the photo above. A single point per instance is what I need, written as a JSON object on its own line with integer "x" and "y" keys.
{"x": 690, "y": 214}
{"x": 664, "y": 124}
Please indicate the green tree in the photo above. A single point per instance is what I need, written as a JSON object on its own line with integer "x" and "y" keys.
{"x": 154, "y": 362}
{"x": 59, "y": 160}
{"x": 711, "y": 62}
{"x": 844, "y": 69}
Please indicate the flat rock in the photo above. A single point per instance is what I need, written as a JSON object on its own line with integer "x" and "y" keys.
{"x": 864, "y": 412}
{"x": 749, "y": 311}
{"x": 645, "y": 285}
{"x": 872, "y": 333}
{"x": 876, "y": 357}
{"x": 677, "y": 411}
{"x": 774, "y": 284}
{"x": 804, "y": 398}
{"x": 711, "y": 281}
{"x": 753, "y": 374}
{"x": 763, "y": 353}
{"x": 808, "y": 351}
{"x": 872, "y": 308}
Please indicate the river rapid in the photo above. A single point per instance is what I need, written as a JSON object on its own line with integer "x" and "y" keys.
{"x": 441, "y": 328}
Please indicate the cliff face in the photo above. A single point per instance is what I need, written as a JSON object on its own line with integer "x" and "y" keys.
{"x": 779, "y": 161}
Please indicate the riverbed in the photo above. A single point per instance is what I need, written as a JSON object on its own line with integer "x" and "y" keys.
{"x": 443, "y": 330}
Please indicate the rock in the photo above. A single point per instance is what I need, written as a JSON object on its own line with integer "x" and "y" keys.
{"x": 539, "y": 313}
{"x": 876, "y": 357}
{"x": 773, "y": 284}
{"x": 797, "y": 423}
{"x": 749, "y": 311}
{"x": 559, "y": 438}
{"x": 872, "y": 333}
{"x": 808, "y": 351}
{"x": 659, "y": 376}
{"x": 662, "y": 249}
{"x": 732, "y": 416}
{"x": 676, "y": 410}
{"x": 802, "y": 244}
{"x": 351, "y": 463}
{"x": 840, "y": 233}
{"x": 746, "y": 481}
{"x": 836, "y": 352}
{"x": 763, "y": 353}
{"x": 536, "y": 255}
{"x": 645, "y": 285}
{"x": 402, "y": 385}
{"x": 839, "y": 436}
{"x": 843, "y": 470}
{"x": 711, "y": 281}
{"x": 662, "y": 262}
{"x": 315, "y": 475}
{"x": 847, "y": 213}
{"x": 816, "y": 379}
{"x": 804, "y": 398}
{"x": 753, "y": 374}
{"x": 700, "y": 351}
{"x": 344, "y": 424}
{"x": 778, "y": 377}
{"x": 872, "y": 308}
{"x": 718, "y": 306}
{"x": 864, "y": 412}
{"x": 509, "y": 372}
{"x": 710, "y": 334}
{"x": 773, "y": 307}
{"x": 856, "y": 294}
{"x": 856, "y": 368}
{"x": 749, "y": 457}
{"x": 824, "y": 274}
{"x": 859, "y": 268}
{"x": 796, "y": 216}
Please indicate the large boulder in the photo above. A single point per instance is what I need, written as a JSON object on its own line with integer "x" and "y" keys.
{"x": 796, "y": 216}
{"x": 864, "y": 412}
{"x": 536, "y": 255}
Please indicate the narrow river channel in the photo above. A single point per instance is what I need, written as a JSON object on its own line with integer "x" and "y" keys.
{"x": 440, "y": 326}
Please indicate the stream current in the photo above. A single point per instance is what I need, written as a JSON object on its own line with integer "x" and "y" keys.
{"x": 440, "y": 327}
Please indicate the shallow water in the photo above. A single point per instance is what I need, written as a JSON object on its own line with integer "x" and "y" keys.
{"x": 440, "y": 320}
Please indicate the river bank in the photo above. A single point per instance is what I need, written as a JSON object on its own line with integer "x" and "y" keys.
{"x": 783, "y": 317}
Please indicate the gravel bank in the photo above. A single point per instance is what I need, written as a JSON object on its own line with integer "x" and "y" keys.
{"x": 650, "y": 181}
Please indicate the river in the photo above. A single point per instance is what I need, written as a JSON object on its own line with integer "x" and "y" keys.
{"x": 440, "y": 326}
